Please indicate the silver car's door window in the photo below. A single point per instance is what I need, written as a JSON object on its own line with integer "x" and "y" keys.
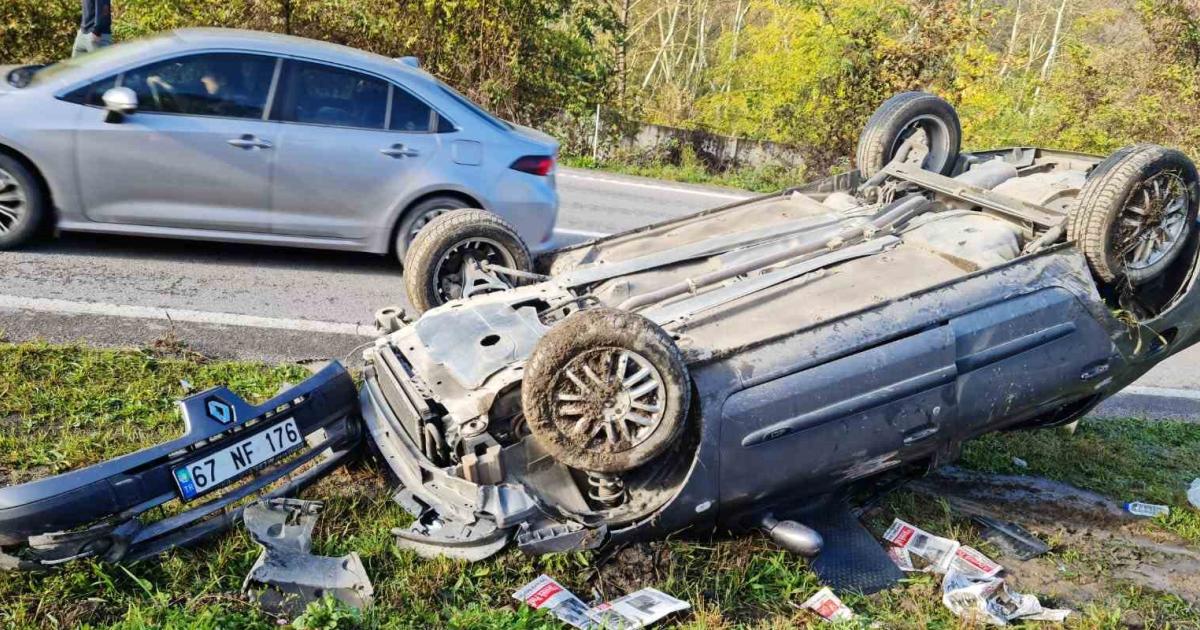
{"x": 317, "y": 94}
{"x": 410, "y": 113}
{"x": 336, "y": 137}
{"x": 92, "y": 94}
{"x": 197, "y": 154}
{"x": 231, "y": 85}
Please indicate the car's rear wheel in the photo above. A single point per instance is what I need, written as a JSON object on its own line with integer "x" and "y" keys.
{"x": 22, "y": 204}
{"x": 450, "y": 258}
{"x": 1136, "y": 213}
{"x": 418, "y": 217}
{"x": 605, "y": 391}
{"x": 929, "y": 121}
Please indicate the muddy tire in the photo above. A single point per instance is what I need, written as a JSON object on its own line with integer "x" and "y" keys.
{"x": 1135, "y": 214}
{"x": 606, "y": 391}
{"x": 23, "y": 204}
{"x": 897, "y": 119}
{"x": 439, "y": 265}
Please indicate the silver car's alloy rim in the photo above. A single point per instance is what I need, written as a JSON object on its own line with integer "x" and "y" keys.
{"x": 13, "y": 203}
{"x": 1153, "y": 221}
{"x": 458, "y": 272}
{"x": 609, "y": 400}
{"x": 424, "y": 220}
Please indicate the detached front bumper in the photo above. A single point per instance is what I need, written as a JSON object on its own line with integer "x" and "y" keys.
{"x": 98, "y": 511}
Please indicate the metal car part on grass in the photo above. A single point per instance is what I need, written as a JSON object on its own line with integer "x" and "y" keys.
{"x": 286, "y": 577}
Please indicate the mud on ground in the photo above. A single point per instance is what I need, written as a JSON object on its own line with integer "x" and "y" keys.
{"x": 1097, "y": 545}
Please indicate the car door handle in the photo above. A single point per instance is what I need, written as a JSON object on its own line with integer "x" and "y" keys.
{"x": 249, "y": 141}
{"x": 399, "y": 151}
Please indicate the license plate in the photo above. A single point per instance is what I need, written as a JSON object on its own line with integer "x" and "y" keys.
{"x": 210, "y": 472}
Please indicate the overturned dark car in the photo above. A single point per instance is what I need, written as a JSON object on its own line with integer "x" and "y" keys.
{"x": 722, "y": 370}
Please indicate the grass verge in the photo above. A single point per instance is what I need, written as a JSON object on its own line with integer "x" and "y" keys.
{"x": 767, "y": 179}
{"x": 62, "y": 407}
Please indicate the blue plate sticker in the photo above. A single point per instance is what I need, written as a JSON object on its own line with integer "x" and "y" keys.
{"x": 185, "y": 483}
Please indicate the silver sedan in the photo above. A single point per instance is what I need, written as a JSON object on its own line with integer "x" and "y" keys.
{"x": 258, "y": 138}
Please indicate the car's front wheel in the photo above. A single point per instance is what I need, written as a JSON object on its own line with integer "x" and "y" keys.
{"x": 452, "y": 258}
{"x": 22, "y": 204}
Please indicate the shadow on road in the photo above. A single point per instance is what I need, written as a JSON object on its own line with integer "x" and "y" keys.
{"x": 135, "y": 248}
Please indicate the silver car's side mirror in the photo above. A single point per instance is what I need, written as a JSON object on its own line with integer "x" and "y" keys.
{"x": 120, "y": 102}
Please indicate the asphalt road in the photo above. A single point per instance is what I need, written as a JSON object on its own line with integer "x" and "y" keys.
{"x": 284, "y": 304}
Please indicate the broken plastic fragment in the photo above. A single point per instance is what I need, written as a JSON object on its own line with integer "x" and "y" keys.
{"x": 286, "y": 576}
{"x": 1194, "y": 493}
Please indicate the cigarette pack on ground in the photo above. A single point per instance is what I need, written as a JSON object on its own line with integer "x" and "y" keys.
{"x": 938, "y": 551}
{"x": 828, "y": 606}
{"x": 545, "y": 592}
{"x": 972, "y": 562}
{"x": 636, "y": 610}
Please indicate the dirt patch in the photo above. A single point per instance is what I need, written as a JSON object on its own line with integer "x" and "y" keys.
{"x": 629, "y": 569}
{"x": 1096, "y": 542}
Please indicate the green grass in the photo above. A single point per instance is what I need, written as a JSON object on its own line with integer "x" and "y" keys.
{"x": 69, "y": 406}
{"x": 762, "y": 180}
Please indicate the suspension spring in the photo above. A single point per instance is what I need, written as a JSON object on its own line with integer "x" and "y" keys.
{"x": 606, "y": 489}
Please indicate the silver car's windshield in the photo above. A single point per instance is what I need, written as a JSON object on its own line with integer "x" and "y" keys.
{"x": 93, "y": 59}
{"x": 466, "y": 102}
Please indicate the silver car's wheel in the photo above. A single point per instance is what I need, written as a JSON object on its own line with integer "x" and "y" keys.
{"x": 421, "y": 221}
{"x": 418, "y": 217}
{"x": 14, "y": 203}
{"x": 22, "y": 203}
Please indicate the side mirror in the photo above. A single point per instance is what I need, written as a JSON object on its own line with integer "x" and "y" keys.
{"x": 120, "y": 102}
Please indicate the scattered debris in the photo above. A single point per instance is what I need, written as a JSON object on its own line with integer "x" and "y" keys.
{"x": 636, "y": 610}
{"x": 828, "y": 606}
{"x": 1020, "y": 463}
{"x": 937, "y": 551}
{"x": 545, "y": 592}
{"x": 286, "y": 577}
{"x": 1137, "y": 508}
{"x": 972, "y": 587}
{"x": 1194, "y": 493}
{"x": 1011, "y": 538}
{"x": 990, "y": 601}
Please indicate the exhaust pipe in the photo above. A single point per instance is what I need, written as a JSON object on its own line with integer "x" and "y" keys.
{"x": 797, "y": 538}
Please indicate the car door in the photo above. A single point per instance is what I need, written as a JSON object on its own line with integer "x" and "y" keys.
{"x": 352, "y": 146}
{"x": 198, "y": 152}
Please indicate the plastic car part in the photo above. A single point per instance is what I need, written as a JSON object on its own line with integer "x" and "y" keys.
{"x": 903, "y": 117}
{"x": 1136, "y": 213}
{"x": 101, "y": 511}
{"x": 795, "y": 537}
{"x": 286, "y": 577}
{"x": 605, "y": 390}
{"x": 444, "y": 261}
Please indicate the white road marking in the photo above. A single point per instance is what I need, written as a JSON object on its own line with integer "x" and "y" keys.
{"x": 674, "y": 189}
{"x": 69, "y": 307}
{"x": 1161, "y": 392}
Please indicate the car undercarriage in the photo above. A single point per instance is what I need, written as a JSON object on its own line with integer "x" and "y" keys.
{"x": 725, "y": 370}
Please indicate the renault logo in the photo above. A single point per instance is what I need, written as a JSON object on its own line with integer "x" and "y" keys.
{"x": 219, "y": 410}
